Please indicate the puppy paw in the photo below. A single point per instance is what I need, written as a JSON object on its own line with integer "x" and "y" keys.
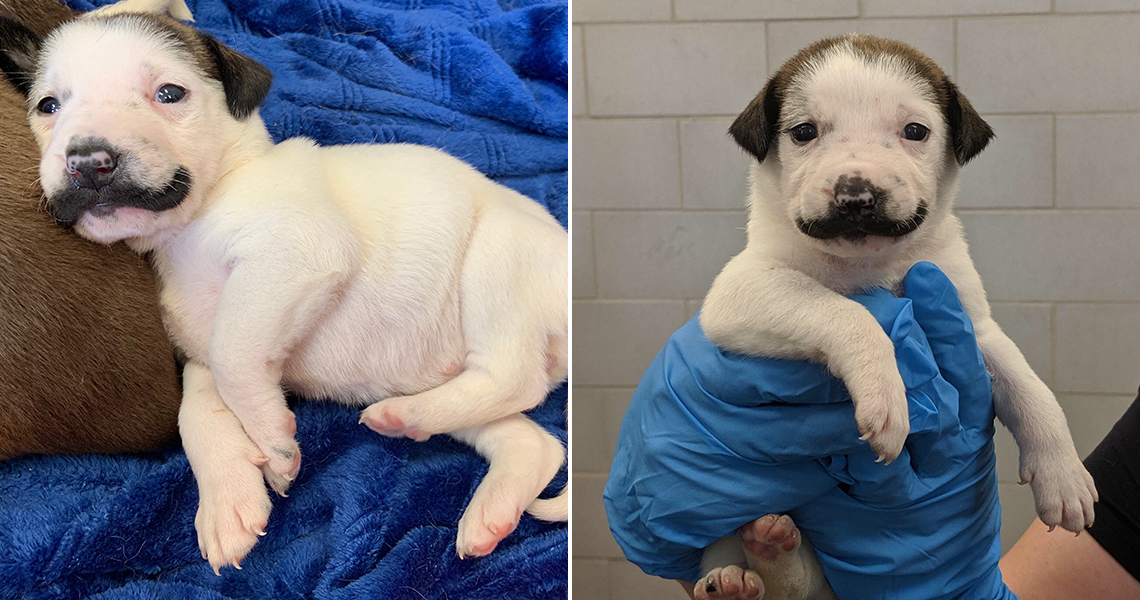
{"x": 493, "y": 514}
{"x": 771, "y": 536}
{"x": 394, "y": 417}
{"x": 729, "y": 583}
{"x": 1063, "y": 489}
{"x": 280, "y": 449}
{"x": 882, "y": 414}
{"x": 233, "y": 510}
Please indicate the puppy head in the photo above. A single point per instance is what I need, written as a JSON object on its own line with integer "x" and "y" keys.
{"x": 864, "y": 137}
{"x": 131, "y": 112}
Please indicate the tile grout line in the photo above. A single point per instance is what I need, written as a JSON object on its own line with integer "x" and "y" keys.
{"x": 585, "y": 74}
{"x": 1055, "y": 161}
{"x": 593, "y": 256}
{"x": 955, "y": 35}
{"x": 1053, "y": 347}
{"x": 680, "y": 166}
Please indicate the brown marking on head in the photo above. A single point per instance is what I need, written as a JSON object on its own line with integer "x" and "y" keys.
{"x": 245, "y": 81}
{"x": 756, "y": 128}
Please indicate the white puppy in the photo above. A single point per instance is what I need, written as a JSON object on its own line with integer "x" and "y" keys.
{"x": 857, "y": 143}
{"x": 393, "y": 276}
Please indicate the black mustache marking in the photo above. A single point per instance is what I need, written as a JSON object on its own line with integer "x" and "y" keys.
{"x": 69, "y": 204}
{"x": 858, "y": 227}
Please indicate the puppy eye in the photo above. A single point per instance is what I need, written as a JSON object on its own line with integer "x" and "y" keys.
{"x": 915, "y": 132}
{"x": 48, "y": 105}
{"x": 804, "y": 133}
{"x": 170, "y": 93}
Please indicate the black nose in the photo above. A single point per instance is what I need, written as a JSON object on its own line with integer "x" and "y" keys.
{"x": 91, "y": 165}
{"x": 855, "y": 196}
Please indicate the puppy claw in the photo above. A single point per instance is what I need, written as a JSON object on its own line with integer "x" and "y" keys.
{"x": 729, "y": 583}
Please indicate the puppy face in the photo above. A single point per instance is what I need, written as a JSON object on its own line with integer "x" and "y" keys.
{"x": 865, "y": 134}
{"x": 131, "y": 114}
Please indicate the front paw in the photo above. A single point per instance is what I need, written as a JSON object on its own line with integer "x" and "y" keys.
{"x": 233, "y": 510}
{"x": 282, "y": 454}
{"x": 1063, "y": 490}
{"x": 881, "y": 411}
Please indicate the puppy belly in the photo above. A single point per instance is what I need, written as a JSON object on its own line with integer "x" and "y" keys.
{"x": 360, "y": 363}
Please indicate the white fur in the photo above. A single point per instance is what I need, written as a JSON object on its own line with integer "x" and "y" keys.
{"x": 174, "y": 8}
{"x": 391, "y": 276}
{"x": 783, "y": 296}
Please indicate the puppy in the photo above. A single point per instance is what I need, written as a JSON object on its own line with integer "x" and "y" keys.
{"x": 857, "y": 142}
{"x": 391, "y": 276}
{"x": 85, "y": 365}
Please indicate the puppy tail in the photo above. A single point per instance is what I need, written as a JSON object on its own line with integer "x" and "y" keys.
{"x": 552, "y": 509}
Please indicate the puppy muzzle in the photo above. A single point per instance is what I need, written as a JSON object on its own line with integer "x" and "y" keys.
{"x": 857, "y": 211}
{"x": 69, "y": 204}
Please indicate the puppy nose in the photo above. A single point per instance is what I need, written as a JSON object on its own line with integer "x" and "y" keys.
{"x": 91, "y": 167}
{"x": 855, "y": 196}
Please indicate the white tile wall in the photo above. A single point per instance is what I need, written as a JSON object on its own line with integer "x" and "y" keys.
{"x": 673, "y": 69}
{"x": 1051, "y": 208}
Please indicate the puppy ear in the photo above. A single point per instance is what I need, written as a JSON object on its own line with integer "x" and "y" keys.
{"x": 19, "y": 49}
{"x": 755, "y": 129}
{"x": 174, "y": 8}
{"x": 969, "y": 133}
{"x": 245, "y": 81}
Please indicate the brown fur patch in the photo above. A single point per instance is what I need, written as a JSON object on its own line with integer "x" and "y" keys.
{"x": 244, "y": 80}
{"x": 85, "y": 364}
{"x": 756, "y": 128}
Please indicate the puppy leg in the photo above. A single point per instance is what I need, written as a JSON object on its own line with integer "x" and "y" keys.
{"x": 784, "y": 560}
{"x": 233, "y": 504}
{"x": 513, "y": 299}
{"x": 524, "y": 458}
{"x": 762, "y": 308}
{"x": 265, "y": 310}
{"x": 1063, "y": 489}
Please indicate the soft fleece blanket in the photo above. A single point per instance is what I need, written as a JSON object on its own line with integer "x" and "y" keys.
{"x": 369, "y": 517}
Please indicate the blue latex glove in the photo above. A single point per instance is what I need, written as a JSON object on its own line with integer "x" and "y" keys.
{"x": 713, "y": 440}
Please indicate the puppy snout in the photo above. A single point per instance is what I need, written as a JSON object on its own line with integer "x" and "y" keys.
{"x": 856, "y": 196}
{"x": 91, "y": 163}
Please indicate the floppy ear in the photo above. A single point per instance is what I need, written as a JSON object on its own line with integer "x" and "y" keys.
{"x": 969, "y": 133}
{"x": 174, "y": 8}
{"x": 755, "y": 128}
{"x": 245, "y": 81}
{"x": 19, "y": 48}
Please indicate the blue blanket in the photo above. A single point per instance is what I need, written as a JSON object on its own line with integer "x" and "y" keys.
{"x": 369, "y": 517}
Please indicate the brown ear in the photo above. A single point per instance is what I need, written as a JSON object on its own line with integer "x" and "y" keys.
{"x": 245, "y": 81}
{"x": 755, "y": 129}
{"x": 19, "y": 49}
{"x": 969, "y": 133}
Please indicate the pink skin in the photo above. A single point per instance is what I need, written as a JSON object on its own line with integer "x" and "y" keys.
{"x": 770, "y": 536}
{"x": 767, "y": 538}
{"x": 391, "y": 420}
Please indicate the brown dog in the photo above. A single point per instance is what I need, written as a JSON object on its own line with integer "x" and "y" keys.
{"x": 85, "y": 365}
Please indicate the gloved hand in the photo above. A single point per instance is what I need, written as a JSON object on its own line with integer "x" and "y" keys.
{"x": 713, "y": 440}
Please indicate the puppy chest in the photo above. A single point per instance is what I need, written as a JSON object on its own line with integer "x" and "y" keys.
{"x": 189, "y": 309}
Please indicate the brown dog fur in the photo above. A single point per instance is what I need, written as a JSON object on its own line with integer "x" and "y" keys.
{"x": 85, "y": 365}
